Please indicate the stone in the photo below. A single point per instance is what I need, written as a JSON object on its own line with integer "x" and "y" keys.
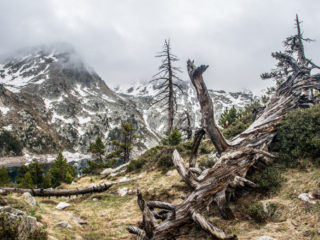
{"x": 63, "y": 224}
{"x": 170, "y": 173}
{"x": 123, "y": 191}
{"x": 25, "y": 225}
{"x": 107, "y": 171}
{"x": 125, "y": 179}
{"x": 266, "y": 238}
{"x": 30, "y": 199}
{"x": 94, "y": 199}
{"x": 306, "y": 197}
{"x": 62, "y": 205}
{"x": 79, "y": 221}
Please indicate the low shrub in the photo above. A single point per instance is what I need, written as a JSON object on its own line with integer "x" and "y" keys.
{"x": 298, "y": 137}
{"x": 268, "y": 180}
{"x": 135, "y": 165}
{"x": 257, "y": 212}
{"x": 260, "y": 212}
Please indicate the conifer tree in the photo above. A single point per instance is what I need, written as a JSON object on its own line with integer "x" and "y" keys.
{"x": 26, "y": 181}
{"x": 123, "y": 146}
{"x": 97, "y": 148}
{"x": 229, "y": 115}
{"x": 175, "y": 137}
{"x": 36, "y": 170}
{"x": 61, "y": 171}
{"x": 4, "y": 178}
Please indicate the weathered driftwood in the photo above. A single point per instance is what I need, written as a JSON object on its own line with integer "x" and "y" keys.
{"x": 249, "y": 149}
{"x": 56, "y": 192}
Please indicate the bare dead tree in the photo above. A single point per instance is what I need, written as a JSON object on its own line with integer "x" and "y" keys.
{"x": 248, "y": 150}
{"x": 167, "y": 78}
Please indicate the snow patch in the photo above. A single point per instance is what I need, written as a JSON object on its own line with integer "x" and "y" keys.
{"x": 4, "y": 110}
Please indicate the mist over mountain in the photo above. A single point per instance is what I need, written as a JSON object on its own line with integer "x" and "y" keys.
{"x": 52, "y": 100}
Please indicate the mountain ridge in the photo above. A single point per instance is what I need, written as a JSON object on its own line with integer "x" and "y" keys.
{"x": 51, "y": 100}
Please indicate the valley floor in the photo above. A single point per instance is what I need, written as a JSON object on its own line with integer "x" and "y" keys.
{"x": 108, "y": 214}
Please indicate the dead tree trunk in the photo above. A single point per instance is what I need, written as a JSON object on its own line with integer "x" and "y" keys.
{"x": 248, "y": 149}
{"x": 237, "y": 157}
{"x": 56, "y": 192}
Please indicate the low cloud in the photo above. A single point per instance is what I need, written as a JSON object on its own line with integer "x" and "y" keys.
{"x": 120, "y": 38}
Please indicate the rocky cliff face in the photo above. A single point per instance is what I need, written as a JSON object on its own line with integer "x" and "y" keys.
{"x": 155, "y": 116}
{"x": 51, "y": 100}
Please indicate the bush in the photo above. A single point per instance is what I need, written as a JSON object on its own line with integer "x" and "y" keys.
{"x": 257, "y": 212}
{"x": 260, "y": 213}
{"x": 298, "y": 137}
{"x": 268, "y": 180}
{"x": 175, "y": 137}
{"x": 135, "y": 165}
{"x": 95, "y": 167}
{"x": 242, "y": 122}
{"x": 4, "y": 178}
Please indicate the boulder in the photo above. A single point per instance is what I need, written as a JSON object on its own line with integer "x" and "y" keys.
{"x": 170, "y": 173}
{"x": 266, "y": 238}
{"x": 307, "y": 197}
{"x": 63, "y": 224}
{"x": 24, "y": 225}
{"x": 30, "y": 199}
{"x": 62, "y": 205}
{"x": 79, "y": 220}
{"x": 106, "y": 171}
{"x": 123, "y": 191}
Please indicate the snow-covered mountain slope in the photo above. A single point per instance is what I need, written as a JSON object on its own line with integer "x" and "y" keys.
{"x": 155, "y": 117}
{"x": 52, "y": 100}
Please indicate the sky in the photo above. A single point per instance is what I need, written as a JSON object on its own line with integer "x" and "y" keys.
{"x": 120, "y": 38}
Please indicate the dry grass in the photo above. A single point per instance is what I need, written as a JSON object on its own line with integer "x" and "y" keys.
{"x": 109, "y": 216}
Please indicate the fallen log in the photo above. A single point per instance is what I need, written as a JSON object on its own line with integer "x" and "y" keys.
{"x": 237, "y": 157}
{"x": 56, "y": 192}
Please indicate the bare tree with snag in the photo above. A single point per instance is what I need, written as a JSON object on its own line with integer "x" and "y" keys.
{"x": 248, "y": 150}
{"x": 167, "y": 79}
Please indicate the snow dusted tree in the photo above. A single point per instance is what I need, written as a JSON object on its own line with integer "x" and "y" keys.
{"x": 167, "y": 79}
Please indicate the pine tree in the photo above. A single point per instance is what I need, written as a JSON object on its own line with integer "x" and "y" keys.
{"x": 4, "y": 178}
{"x": 123, "y": 146}
{"x": 60, "y": 169}
{"x": 97, "y": 148}
{"x": 26, "y": 181}
{"x": 175, "y": 137}
{"x": 229, "y": 115}
{"x": 167, "y": 79}
{"x": 47, "y": 180}
{"x": 36, "y": 170}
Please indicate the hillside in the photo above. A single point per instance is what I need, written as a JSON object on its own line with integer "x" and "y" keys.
{"x": 108, "y": 214}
